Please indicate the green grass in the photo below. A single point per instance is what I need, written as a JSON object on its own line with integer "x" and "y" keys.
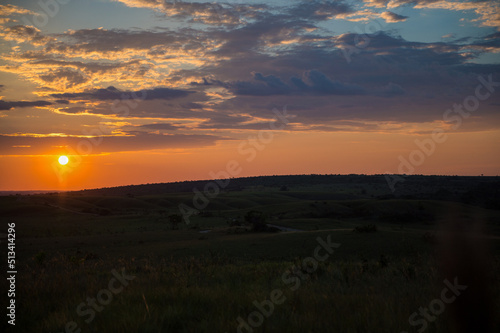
{"x": 187, "y": 281}
{"x": 208, "y": 294}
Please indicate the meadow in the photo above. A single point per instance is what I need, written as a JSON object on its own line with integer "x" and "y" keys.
{"x": 115, "y": 260}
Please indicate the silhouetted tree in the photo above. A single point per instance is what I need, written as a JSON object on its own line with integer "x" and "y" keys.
{"x": 175, "y": 220}
{"x": 256, "y": 219}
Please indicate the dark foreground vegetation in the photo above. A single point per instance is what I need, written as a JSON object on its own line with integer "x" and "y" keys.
{"x": 248, "y": 260}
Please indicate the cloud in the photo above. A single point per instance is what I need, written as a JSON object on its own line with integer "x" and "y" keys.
{"x": 391, "y": 90}
{"x": 312, "y": 82}
{"x": 319, "y": 10}
{"x": 318, "y": 82}
{"x": 134, "y": 43}
{"x": 65, "y": 77}
{"x": 394, "y": 49}
{"x": 391, "y": 17}
{"x": 25, "y": 34}
{"x": 32, "y": 145}
{"x": 78, "y": 59}
{"x": 5, "y": 105}
{"x": 231, "y": 14}
{"x": 271, "y": 86}
{"x": 161, "y": 126}
{"x": 225, "y": 121}
{"x": 112, "y": 93}
{"x": 8, "y": 10}
{"x": 489, "y": 43}
{"x": 103, "y": 40}
{"x": 212, "y": 13}
{"x": 486, "y": 10}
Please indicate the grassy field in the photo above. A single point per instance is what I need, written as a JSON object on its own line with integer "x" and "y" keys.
{"x": 216, "y": 274}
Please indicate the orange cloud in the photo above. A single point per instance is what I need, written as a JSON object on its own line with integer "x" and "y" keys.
{"x": 488, "y": 11}
{"x": 7, "y": 10}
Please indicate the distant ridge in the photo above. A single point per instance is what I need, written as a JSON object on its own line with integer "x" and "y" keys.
{"x": 278, "y": 181}
{"x": 2, "y": 193}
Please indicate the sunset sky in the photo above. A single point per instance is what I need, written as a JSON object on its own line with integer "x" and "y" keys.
{"x": 148, "y": 91}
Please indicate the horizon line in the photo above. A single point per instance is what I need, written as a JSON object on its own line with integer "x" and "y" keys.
{"x": 39, "y": 191}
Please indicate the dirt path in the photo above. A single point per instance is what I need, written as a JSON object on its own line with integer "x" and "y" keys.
{"x": 72, "y": 211}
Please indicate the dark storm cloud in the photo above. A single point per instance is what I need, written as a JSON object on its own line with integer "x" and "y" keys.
{"x": 7, "y": 105}
{"x": 491, "y": 41}
{"x": 317, "y": 82}
{"x": 111, "y": 93}
{"x": 313, "y": 82}
{"x": 380, "y": 55}
{"x": 271, "y": 86}
{"x": 388, "y": 76}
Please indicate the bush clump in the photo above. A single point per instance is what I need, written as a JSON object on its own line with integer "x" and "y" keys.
{"x": 366, "y": 228}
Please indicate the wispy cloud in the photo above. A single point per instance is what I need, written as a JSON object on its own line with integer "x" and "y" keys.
{"x": 46, "y": 144}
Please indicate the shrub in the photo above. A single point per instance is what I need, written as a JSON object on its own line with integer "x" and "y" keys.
{"x": 175, "y": 220}
{"x": 366, "y": 228}
{"x": 257, "y": 219}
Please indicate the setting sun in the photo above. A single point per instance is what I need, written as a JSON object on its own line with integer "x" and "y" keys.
{"x": 63, "y": 160}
